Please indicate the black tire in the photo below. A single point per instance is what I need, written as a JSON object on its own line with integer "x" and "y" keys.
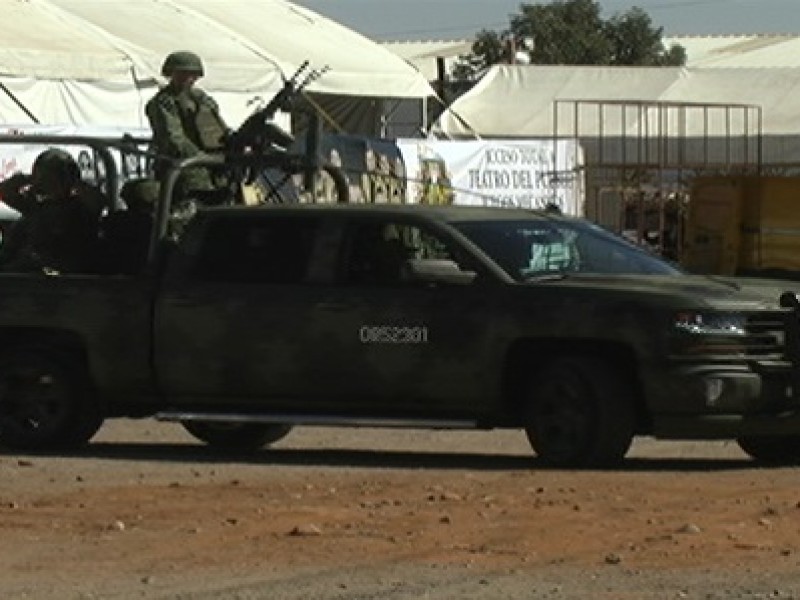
{"x": 45, "y": 402}
{"x": 237, "y": 436}
{"x": 772, "y": 450}
{"x": 580, "y": 413}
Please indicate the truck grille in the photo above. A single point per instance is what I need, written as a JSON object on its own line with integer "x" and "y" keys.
{"x": 767, "y": 335}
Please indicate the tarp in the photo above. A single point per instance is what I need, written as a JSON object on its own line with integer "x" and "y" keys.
{"x": 97, "y": 63}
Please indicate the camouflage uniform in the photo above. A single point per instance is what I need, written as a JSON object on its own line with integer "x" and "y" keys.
{"x": 186, "y": 122}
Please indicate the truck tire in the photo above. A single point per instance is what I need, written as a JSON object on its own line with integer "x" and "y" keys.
{"x": 45, "y": 401}
{"x": 237, "y": 436}
{"x": 580, "y": 413}
{"x": 772, "y": 450}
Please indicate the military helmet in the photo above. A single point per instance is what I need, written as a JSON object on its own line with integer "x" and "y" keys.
{"x": 54, "y": 170}
{"x": 183, "y": 60}
{"x": 140, "y": 194}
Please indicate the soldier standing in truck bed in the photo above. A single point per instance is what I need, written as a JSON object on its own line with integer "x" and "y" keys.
{"x": 186, "y": 122}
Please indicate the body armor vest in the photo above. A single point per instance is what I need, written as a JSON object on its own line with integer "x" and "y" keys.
{"x": 200, "y": 114}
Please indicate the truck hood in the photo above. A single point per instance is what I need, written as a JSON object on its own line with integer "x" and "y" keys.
{"x": 713, "y": 291}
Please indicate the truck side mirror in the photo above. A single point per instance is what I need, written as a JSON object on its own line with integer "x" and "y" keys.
{"x": 445, "y": 271}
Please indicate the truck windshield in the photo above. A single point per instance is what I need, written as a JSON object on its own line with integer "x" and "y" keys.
{"x": 530, "y": 249}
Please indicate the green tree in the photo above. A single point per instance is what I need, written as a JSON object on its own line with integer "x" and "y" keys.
{"x": 571, "y": 32}
{"x": 635, "y": 41}
{"x": 487, "y": 50}
{"x": 565, "y": 32}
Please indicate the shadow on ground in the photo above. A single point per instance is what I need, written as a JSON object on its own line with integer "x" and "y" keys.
{"x": 378, "y": 459}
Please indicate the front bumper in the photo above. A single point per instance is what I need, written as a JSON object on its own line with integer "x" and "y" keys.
{"x": 718, "y": 388}
{"x": 725, "y": 401}
{"x": 708, "y": 395}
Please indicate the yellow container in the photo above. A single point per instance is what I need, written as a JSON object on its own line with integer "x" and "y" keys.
{"x": 743, "y": 224}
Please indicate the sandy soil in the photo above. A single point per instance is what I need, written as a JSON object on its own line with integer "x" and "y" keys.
{"x": 146, "y": 512}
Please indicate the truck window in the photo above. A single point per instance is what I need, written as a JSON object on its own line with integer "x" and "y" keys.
{"x": 251, "y": 250}
{"x": 377, "y": 251}
{"x": 529, "y": 248}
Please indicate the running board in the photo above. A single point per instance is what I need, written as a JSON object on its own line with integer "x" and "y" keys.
{"x": 288, "y": 419}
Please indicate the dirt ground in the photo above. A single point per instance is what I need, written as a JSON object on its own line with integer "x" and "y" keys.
{"x": 146, "y": 512}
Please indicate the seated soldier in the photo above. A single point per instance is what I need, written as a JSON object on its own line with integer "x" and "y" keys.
{"x": 57, "y": 232}
{"x": 377, "y": 255}
{"x": 125, "y": 234}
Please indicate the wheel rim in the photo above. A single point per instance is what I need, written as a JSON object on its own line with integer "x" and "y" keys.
{"x": 33, "y": 401}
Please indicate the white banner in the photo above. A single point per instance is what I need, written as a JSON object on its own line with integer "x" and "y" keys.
{"x": 16, "y": 158}
{"x": 530, "y": 174}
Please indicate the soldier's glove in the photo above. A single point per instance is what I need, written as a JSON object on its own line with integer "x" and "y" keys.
{"x": 14, "y": 186}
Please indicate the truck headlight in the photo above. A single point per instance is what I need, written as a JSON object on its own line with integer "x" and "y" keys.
{"x": 708, "y": 323}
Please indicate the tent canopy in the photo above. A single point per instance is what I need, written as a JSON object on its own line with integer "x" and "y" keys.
{"x": 733, "y": 51}
{"x": 522, "y": 101}
{"x": 97, "y": 62}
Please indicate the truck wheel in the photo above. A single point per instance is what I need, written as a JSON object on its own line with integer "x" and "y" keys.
{"x": 774, "y": 450}
{"x": 237, "y": 436}
{"x": 580, "y": 414}
{"x": 45, "y": 402}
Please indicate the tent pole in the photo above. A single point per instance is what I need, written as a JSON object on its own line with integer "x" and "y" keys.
{"x": 16, "y": 101}
{"x": 325, "y": 116}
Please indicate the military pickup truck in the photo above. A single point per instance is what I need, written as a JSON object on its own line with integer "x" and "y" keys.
{"x": 262, "y": 318}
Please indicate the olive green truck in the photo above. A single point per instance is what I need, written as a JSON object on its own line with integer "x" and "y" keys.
{"x": 263, "y": 318}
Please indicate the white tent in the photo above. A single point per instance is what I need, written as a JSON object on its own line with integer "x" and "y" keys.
{"x": 538, "y": 101}
{"x": 736, "y": 51}
{"x": 97, "y": 62}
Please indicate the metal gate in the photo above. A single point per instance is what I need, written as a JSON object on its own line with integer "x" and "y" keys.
{"x": 640, "y": 159}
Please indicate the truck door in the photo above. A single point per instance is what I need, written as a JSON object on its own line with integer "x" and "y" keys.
{"x": 232, "y": 320}
{"x": 402, "y": 345}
